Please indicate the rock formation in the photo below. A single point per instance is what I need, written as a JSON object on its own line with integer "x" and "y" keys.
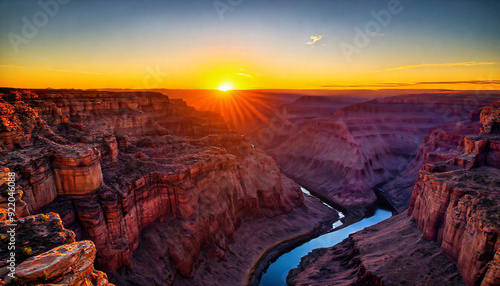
{"x": 47, "y": 267}
{"x": 111, "y": 164}
{"x": 46, "y": 254}
{"x": 456, "y": 202}
{"x": 454, "y": 209}
{"x": 442, "y": 143}
{"x": 342, "y": 158}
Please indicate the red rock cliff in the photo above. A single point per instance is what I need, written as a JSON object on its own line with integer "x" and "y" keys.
{"x": 456, "y": 203}
{"x": 113, "y": 163}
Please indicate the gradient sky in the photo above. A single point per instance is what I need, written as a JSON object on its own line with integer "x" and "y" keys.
{"x": 257, "y": 44}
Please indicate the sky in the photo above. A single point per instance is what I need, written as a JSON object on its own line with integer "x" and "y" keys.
{"x": 250, "y": 44}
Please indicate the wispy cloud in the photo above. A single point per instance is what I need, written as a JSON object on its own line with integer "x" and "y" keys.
{"x": 244, "y": 74}
{"x": 404, "y": 84}
{"x": 48, "y": 69}
{"x": 314, "y": 40}
{"x": 59, "y": 70}
{"x": 463, "y": 64}
{"x": 11, "y": 66}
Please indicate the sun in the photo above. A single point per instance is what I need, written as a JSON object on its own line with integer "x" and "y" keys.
{"x": 225, "y": 87}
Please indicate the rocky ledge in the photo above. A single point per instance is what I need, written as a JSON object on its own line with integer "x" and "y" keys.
{"x": 46, "y": 254}
{"x": 452, "y": 234}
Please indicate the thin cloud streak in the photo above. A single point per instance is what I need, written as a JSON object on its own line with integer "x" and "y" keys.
{"x": 403, "y": 84}
{"x": 11, "y": 66}
{"x": 85, "y": 72}
{"x": 463, "y": 64}
{"x": 244, "y": 74}
{"x": 49, "y": 69}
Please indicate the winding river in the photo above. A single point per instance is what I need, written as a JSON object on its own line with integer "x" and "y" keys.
{"x": 277, "y": 272}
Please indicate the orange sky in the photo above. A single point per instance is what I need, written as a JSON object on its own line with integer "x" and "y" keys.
{"x": 258, "y": 45}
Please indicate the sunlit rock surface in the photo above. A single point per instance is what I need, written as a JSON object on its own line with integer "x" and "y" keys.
{"x": 69, "y": 264}
{"x": 46, "y": 253}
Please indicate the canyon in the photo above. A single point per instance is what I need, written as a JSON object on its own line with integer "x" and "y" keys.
{"x": 113, "y": 170}
{"x": 450, "y": 234}
{"x": 137, "y": 188}
{"x": 344, "y": 156}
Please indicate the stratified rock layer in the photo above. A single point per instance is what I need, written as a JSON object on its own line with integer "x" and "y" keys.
{"x": 70, "y": 264}
{"x": 111, "y": 164}
{"x": 456, "y": 202}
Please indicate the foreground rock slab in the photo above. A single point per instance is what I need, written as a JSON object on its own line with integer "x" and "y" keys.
{"x": 70, "y": 264}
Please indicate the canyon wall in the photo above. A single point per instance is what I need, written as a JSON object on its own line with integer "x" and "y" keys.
{"x": 342, "y": 158}
{"x": 456, "y": 202}
{"x": 442, "y": 143}
{"x": 452, "y": 226}
{"x": 111, "y": 164}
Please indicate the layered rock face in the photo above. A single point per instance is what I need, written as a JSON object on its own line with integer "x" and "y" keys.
{"x": 342, "y": 158}
{"x": 456, "y": 203}
{"x": 111, "y": 164}
{"x": 454, "y": 212}
{"x": 440, "y": 144}
{"x": 77, "y": 171}
{"x": 47, "y": 266}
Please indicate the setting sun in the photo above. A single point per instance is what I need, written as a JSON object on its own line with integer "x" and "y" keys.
{"x": 225, "y": 87}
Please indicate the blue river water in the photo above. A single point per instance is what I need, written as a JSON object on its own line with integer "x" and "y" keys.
{"x": 277, "y": 272}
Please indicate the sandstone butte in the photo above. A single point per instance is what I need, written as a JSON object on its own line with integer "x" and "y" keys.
{"x": 110, "y": 166}
{"x": 450, "y": 234}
